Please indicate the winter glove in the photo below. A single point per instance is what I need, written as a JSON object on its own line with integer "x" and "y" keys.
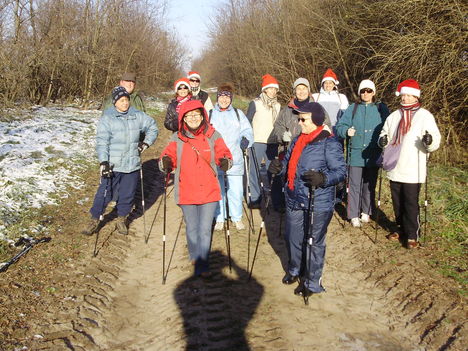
{"x": 224, "y": 164}
{"x": 275, "y": 166}
{"x": 351, "y": 131}
{"x": 427, "y": 139}
{"x": 313, "y": 178}
{"x": 106, "y": 170}
{"x": 142, "y": 147}
{"x": 166, "y": 164}
{"x": 244, "y": 143}
{"x": 383, "y": 141}
{"x": 287, "y": 136}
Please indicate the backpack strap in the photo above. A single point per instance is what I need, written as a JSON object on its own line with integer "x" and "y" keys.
{"x": 235, "y": 109}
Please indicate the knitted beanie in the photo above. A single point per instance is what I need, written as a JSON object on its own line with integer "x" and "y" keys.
{"x": 119, "y": 92}
{"x": 366, "y": 83}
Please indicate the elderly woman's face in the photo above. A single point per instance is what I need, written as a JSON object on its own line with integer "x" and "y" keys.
{"x": 408, "y": 99}
{"x": 305, "y": 121}
{"x": 224, "y": 101}
{"x": 182, "y": 90}
{"x": 302, "y": 92}
{"x": 328, "y": 85}
{"x": 193, "y": 119}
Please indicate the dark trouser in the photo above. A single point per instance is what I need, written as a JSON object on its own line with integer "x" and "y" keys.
{"x": 361, "y": 196}
{"x": 298, "y": 250}
{"x": 266, "y": 152}
{"x": 126, "y": 183}
{"x": 198, "y": 221}
{"x": 405, "y": 198}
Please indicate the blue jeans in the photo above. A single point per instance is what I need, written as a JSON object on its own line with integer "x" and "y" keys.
{"x": 298, "y": 250}
{"x": 234, "y": 193}
{"x": 126, "y": 183}
{"x": 198, "y": 222}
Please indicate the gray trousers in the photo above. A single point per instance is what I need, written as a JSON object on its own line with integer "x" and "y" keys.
{"x": 361, "y": 195}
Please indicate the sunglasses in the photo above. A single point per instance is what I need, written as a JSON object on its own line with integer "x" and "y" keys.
{"x": 301, "y": 119}
{"x": 366, "y": 90}
{"x": 195, "y": 80}
{"x": 182, "y": 87}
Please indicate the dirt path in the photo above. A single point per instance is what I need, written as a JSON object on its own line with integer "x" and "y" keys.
{"x": 379, "y": 297}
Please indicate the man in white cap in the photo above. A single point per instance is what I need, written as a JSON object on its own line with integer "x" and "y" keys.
{"x": 197, "y": 93}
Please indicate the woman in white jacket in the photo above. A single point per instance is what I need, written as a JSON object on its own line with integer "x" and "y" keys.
{"x": 237, "y": 133}
{"x": 408, "y": 136}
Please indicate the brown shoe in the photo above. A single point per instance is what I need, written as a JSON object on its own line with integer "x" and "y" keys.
{"x": 393, "y": 236}
{"x": 91, "y": 226}
{"x": 121, "y": 226}
{"x": 412, "y": 244}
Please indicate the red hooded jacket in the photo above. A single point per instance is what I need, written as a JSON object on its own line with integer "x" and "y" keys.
{"x": 195, "y": 158}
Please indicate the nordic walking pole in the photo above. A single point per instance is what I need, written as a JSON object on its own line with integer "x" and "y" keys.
{"x": 310, "y": 230}
{"x": 256, "y": 249}
{"x": 226, "y": 223}
{"x": 101, "y": 216}
{"x": 426, "y": 202}
{"x": 259, "y": 179}
{"x": 143, "y": 200}
{"x": 378, "y": 205}
{"x": 164, "y": 227}
{"x": 251, "y": 221}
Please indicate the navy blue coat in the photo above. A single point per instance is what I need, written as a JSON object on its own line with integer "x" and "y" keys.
{"x": 324, "y": 154}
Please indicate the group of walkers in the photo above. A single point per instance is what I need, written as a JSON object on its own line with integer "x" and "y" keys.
{"x": 216, "y": 149}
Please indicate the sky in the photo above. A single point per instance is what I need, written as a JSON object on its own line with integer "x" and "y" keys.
{"x": 190, "y": 18}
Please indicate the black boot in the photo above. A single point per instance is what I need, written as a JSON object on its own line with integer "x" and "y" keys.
{"x": 121, "y": 225}
{"x": 289, "y": 279}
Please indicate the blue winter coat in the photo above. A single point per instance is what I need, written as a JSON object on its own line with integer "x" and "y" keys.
{"x": 324, "y": 154}
{"x": 118, "y": 135}
{"x": 368, "y": 122}
{"x": 232, "y": 130}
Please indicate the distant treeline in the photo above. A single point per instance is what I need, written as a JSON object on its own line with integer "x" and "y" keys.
{"x": 64, "y": 49}
{"x": 384, "y": 40}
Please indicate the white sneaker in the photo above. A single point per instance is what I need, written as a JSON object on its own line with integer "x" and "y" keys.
{"x": 239, "y": 225}
{"x": 355, "y": 222}
{"x": 219, "y": 226}
{"x": 365, "y": 218}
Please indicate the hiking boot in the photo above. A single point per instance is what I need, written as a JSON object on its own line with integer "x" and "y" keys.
{"x": 219, "y": 226}
{"x": 91, "y": 226}
{"x": 393, "y": 236}
{"x": 121, "y": 226}
{"x": 365, "y": 218}
{"x": 355, "y": 222}
{"x": 239, "y": 225}
{"x": 412, "y": 244}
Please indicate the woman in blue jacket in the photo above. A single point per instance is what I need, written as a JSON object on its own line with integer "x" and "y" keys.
{"x": 118, "y": 149}
{"x": 237, "y": 133}
{"x": 313, "y": 165}
{"x": 362, "y": 123}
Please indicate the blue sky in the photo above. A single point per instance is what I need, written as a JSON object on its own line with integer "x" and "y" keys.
{"x": 191, "y": 18}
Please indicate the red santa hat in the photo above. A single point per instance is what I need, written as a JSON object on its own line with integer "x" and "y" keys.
{"x": 181, "y": 81}
{"x": 410, "y": 87}
{"x": 193, "y": 74}
{"x": 268, "y": 81}
{"x": 330, "y": 75}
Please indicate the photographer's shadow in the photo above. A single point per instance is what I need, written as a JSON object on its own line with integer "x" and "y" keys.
{"x": 217, "y": 311}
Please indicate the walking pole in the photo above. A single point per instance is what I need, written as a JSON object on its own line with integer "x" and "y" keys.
{"x": 378, "y": 206}
{"x": 226, "y": 222}
{"x": 143, "y": 200}
{"x": 310, "y": 229}
{"x": 164, "y": 228}
{"x": 256, "y": 248}
{"x": 251, "y": 221}
{"x": 101, "y": 216}
{"x": 257, "y": 170}
{"x": 426, "y": 202}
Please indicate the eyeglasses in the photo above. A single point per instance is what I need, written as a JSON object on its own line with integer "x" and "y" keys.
{"x": 193, "y": 116}
{"x": 301, "y": 119}
{"x": 182, "y": 87}
{"x": 195, "y": 80}
{"x": 366, "y": 90}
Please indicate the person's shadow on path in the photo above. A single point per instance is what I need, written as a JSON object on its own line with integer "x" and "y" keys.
{"x": 216, "y": 312}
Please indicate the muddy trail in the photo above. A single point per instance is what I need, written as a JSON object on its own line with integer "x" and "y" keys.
{"x": 379, "y": 296}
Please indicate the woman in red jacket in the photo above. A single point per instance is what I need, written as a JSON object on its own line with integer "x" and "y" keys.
{"x": 195, "y": 151}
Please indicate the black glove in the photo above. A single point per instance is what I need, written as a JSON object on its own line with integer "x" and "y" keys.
{"x": 244, "y": 143}
{"x": 224, "y": 164}
{"x": 166, "y": 164}
{"x": 275, "y": 166}
{"x": 383, "y": 141}
{"x": 313, "y": 178}
{"x": 142, "y": 147}
{"x": 106, "y": 170}
{"x": 427, "y": 139}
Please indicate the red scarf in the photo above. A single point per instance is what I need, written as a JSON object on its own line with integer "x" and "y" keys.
{"x": 181, "y": 100}
{"x": 301, "y": 143}
{"x": 407, "y": 113}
